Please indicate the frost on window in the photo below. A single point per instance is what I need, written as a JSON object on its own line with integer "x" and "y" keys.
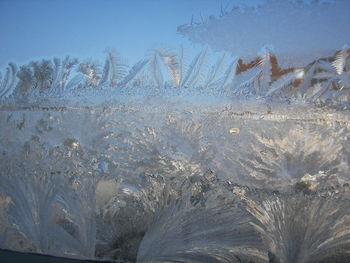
{"x": 237, "y": 153}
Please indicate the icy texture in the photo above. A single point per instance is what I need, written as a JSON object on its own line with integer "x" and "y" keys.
{"x": 210, "y": 158}
{"x": 170, "y": 180}
{"x": 165, "y": 73}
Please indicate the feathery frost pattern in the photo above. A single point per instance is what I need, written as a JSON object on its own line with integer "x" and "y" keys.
{"x": 165, "y": 72}
{"x": 125, "y": 184}
{"x": 214, "y": 158}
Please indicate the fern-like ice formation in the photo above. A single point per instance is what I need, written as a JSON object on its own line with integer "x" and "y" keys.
{"x": 165, "y": 72}
{"x": 7, "y": 82}
{"x": 302, "y": 155}
{"x": 299, "y": 228}
{"x": 127, "y": 184}
{"x": 111, "y": 162}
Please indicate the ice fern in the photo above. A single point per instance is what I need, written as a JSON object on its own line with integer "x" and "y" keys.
{"x": 174, "y": 64}
{"x": 133, "y": 72}
{"x": 284, "y": 81}
{"x": 300, "y": 228}
{"x": 265, "y": 74}
{"x": 219, "y": 76}
{"x": 62, "y": 70}
{"x": 114, "y": 70}
{"x": 91, "y": 73}
{"x": 336, "y": 76}
{"x": 256, "y": 80}
{"x": 8, "y": 81}
{"x": 39, "y": 208}
{"x": 324, "y": 80}
{"x": 155, "y": 69}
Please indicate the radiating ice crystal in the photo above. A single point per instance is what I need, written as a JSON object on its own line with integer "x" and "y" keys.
{"x": 132, "y": 185}
{"x": 221, "y": 159}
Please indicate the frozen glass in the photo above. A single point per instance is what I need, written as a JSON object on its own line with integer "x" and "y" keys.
{"x": 175, "y": 131}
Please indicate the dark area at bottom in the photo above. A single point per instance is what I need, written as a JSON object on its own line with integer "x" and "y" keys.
{"x": 9, "y": 256}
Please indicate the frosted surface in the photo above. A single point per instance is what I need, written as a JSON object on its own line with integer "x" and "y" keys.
{"x": 186, "y": 157}
{"x": 162, "y": 181}
{"x": 300, "y": 31}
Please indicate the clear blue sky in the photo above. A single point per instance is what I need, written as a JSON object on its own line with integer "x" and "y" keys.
{"x": 32, "y": 29}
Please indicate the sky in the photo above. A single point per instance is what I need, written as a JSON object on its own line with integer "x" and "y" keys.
{"x": 36, "y": 29}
